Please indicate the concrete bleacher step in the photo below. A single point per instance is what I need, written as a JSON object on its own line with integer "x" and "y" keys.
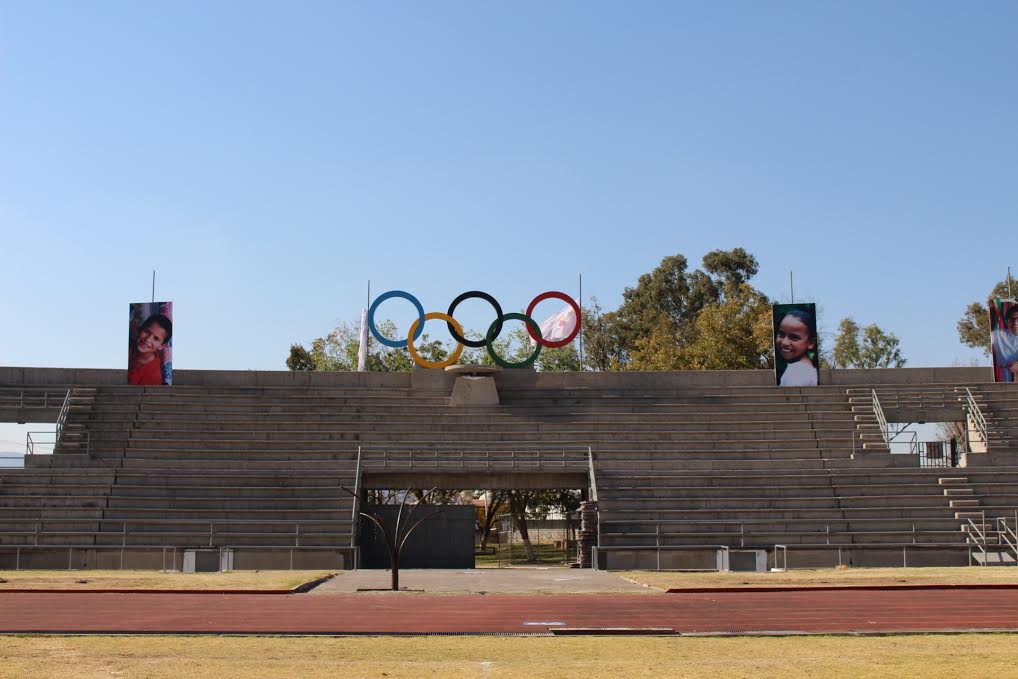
{"x": 969, "y": 515}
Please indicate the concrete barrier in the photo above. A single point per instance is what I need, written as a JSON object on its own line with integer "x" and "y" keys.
{"x": 438, "y": 380}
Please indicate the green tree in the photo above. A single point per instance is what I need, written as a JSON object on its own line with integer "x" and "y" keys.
{"x": 300, "y": 358}
{"x": 338, "y": 351}
{"x": 530, "y": 504}
{"x": 659, "y": 326}
{"x": 974, "y": 324}
{"x": 867, "y": 347}
{"x": 734, "y": 334}
{"x": 602, "y": 346}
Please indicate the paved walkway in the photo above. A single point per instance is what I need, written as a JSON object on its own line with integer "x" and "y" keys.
{"x": 532, "y": 580}
{"x": 380, "y": 613}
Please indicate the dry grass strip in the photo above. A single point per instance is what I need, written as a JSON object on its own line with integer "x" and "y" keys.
{"x": 145, "y": 580}
{"x": 826, "y": 577}
{"x": 930, "y": 657}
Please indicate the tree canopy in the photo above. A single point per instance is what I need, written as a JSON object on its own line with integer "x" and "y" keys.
{"x": 868, "y": 347}
{"x": 974, "y": 324}
{"x": 676, "y": 319}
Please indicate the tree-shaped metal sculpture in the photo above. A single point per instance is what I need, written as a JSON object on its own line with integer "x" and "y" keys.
{"x": 401, "y": 531}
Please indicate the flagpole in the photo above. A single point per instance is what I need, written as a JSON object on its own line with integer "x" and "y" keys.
{"x": 579, "y": 320}
{"x": 362, "y": 337}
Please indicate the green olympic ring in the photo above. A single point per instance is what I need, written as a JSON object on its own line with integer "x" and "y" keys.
{"x": 490, "y": 340}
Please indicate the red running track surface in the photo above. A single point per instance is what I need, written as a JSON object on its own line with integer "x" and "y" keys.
{"x": 729, "y": 612}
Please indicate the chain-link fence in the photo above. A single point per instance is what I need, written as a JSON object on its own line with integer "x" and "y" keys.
{"x": 552, "y": 543}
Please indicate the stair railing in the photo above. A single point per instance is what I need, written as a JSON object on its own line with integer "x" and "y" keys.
{"x": 881, "y": 419}
{"x": 356, "y": 508}
{"x": 31, "y": 443}
{"x": 979, "y": 538}
{"x": 460, "y": 458}
{"x": 1008, "y": 535}
{"x": 976, "y": 413}
{"x": 62, "y": 417}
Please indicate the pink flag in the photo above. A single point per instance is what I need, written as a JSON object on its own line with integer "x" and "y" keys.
{"x": 559, "y": 326}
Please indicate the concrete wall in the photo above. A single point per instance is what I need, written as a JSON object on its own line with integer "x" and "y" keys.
{"x": 437, "y": 380}
{"x": 65, "y": 377}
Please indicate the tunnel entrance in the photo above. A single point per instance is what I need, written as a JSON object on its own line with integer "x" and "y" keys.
{"x": 464, "y": 529}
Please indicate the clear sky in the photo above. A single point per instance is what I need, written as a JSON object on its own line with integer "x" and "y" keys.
{"x": 268, "y": 159}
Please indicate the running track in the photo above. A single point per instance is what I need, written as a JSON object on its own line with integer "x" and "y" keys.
{"x": 728, "y": 612}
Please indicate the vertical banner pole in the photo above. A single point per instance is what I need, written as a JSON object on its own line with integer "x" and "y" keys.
{"x": 154, "y": 285}
{"x": 791, "y": 286}
{"x": 362, "y": 350}
{"x": 580, "y": 321}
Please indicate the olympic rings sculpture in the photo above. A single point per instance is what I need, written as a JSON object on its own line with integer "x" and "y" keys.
{"x": 456, "y": 330}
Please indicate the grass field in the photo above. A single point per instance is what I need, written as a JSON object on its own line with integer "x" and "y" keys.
{"x": 830, "y": 576}
{"x": 930, "y": 657}
{"x": 504, "y": 555}
{"x": 142, "y": 580}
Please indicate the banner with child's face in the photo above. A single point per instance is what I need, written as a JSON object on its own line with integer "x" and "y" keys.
{"x": 796, "y": 349}
{"x": 150, "y": 349}
{"x": 1004, "y": 339}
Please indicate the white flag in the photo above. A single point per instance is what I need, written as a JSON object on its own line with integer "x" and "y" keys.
{"x": 558, "y": 327}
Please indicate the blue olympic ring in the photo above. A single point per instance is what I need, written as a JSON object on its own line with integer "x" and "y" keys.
{"x": 395, "y": 344}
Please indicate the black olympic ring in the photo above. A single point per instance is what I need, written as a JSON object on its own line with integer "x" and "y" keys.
{"x": 475, "y": 344}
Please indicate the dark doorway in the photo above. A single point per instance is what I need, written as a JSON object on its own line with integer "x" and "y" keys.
{"x": 444, "y": 540}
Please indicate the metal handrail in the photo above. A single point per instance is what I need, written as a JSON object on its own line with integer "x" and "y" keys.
{"x": 62, "y": 417}
{"x": 214, "y": 529}
{"x": 31, "y": 443}
{"x": 1009, "y": 536}
{"x": 917, "y": 398}
{"x": 784, "y": 558}
{"x": 881, "y": 419}
{"x": 17, "y": 549}
{"x": 977, "y": 415}
{"x": 356, "y": 502}
{"x": 980, "y": 539}
{"x": 172, "y": 522}
{"x": 459, "y": 458}
{"x": 27, "y": 398}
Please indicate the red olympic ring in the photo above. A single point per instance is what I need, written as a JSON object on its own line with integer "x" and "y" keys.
{"x": 568, "y": 300}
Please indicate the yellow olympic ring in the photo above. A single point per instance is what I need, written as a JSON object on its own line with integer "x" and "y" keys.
{"x": 434, "y": 316}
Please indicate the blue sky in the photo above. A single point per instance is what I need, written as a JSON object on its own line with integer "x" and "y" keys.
{"x": 268, "y": 160}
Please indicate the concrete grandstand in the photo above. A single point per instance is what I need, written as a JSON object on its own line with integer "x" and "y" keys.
{"x": 689, "y": 470}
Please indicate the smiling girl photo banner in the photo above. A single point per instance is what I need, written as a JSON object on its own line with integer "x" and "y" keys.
{"x": 1004, "y": 339}
{"x": 796, "y": 348}
{"x": 150, "y": 344}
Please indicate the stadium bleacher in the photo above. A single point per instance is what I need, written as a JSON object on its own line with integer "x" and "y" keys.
{"x": 690, "y": 470}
